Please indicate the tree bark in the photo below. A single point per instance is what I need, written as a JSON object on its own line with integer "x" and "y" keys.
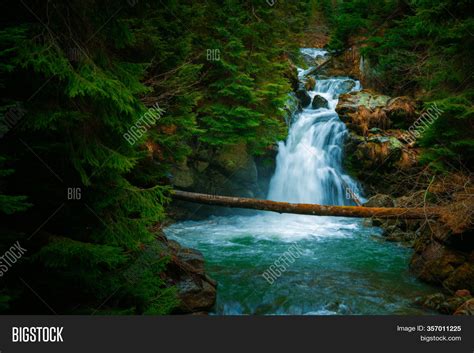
{"x": 315, "y": 70}
{"x": 307, "y": 209}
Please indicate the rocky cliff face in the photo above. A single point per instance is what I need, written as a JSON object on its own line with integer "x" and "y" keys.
{"x": 385, "y": 163}
{"x": 232, "y": 171}
{"x": 374, "y": 144}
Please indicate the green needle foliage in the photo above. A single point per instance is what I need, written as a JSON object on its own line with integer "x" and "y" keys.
{"x": 77, "y": 194}
{"x": 423, "y": 48}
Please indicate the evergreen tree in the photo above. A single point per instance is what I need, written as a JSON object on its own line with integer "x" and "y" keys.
{"x": 112, "y": 94}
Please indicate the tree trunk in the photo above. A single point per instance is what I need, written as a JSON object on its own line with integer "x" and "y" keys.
{"x": 315, "y": 70}
{"x": 308, "y": 209}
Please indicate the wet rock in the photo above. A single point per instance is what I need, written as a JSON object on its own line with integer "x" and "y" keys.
{"x": 350, "y": 102}
{"x": 308, "y": 59}
{"x": 314, "y": 61}
{"x": 364, "y": 119}
{"x": 379, "y": 200}
{"x": 363, "y": 110}
{"x": 467, "y": 308}
{"x": 377, "y": 222}
{"x": 437, "y": 263}
{"x": 185, "y": 271}
{"x": 303, "y": 97}
{"x": 319, "y": 102}
{"x": 231, "y": 171}
{"x": 181, "y": 175}
{"x": 309, "y": 84}
{"x": 292, "y": 104}
{"x": 238, "y": 165}
{"x": 367, "y": 222}
{"x": 382, "y": 152}
{"x": 346, "y": 86}
{"x": 372, "y": 142}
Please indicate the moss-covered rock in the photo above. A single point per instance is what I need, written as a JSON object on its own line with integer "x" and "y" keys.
{"x": 309, "y": 83}
{"x": 182, "y": 176}
{"x": 461, "y": 277}
{"x": 350, "y": 102}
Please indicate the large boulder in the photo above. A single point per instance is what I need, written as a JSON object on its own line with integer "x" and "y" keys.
{"x": 362, "y": 111}
{"x": 303, "y": 97}
{"x": 182, "y": 175}
{"x": 292, "y": 104}
{"x": 436, "y": 262}
{"x": 346, "y": 86}
{"x": 372, "y": 142}
{"x": 185, "y": 271}
{"x": 311, "y": 60}
{"x": 376, "y": 151}
{"x": 237, "y": 163}
{"x": 349, "y": 102}
{"x": 231, "y": 171}
{"x": 308, "y": 59}
{"x": 366, "y": 109}
{"x": 319, "y": 102}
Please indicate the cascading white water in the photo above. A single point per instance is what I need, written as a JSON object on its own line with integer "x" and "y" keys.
{"x": 341, "y": 271}
{"x": 309, "y": 163}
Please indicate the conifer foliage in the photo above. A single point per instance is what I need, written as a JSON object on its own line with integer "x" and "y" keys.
{"x": 75, "y": 77}
{"x": 421, "y": 48}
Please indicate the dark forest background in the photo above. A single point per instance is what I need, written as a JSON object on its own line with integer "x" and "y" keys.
{"x": 77, "y": 75}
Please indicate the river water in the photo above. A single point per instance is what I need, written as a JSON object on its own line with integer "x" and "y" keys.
{"x": 293, "y": 264}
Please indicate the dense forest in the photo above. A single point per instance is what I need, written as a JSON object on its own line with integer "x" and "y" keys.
{"x": 77, "y": 76}
{"x": 421, "y": 48}
{"x": 100, "y": 100}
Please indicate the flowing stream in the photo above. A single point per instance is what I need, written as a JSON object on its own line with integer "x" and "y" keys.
{"x": 340, "y": 266}
{"x": 309, "y": 163}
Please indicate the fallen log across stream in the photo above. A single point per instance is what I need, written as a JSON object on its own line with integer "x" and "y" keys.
{"x": 307, "y": 209}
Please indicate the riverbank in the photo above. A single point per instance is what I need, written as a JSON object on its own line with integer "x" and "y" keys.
{"x": 381, "y": 153}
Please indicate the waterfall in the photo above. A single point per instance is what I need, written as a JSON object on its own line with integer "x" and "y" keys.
{"x": 309, "y": 163}
{"x": 335, "y": 273}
